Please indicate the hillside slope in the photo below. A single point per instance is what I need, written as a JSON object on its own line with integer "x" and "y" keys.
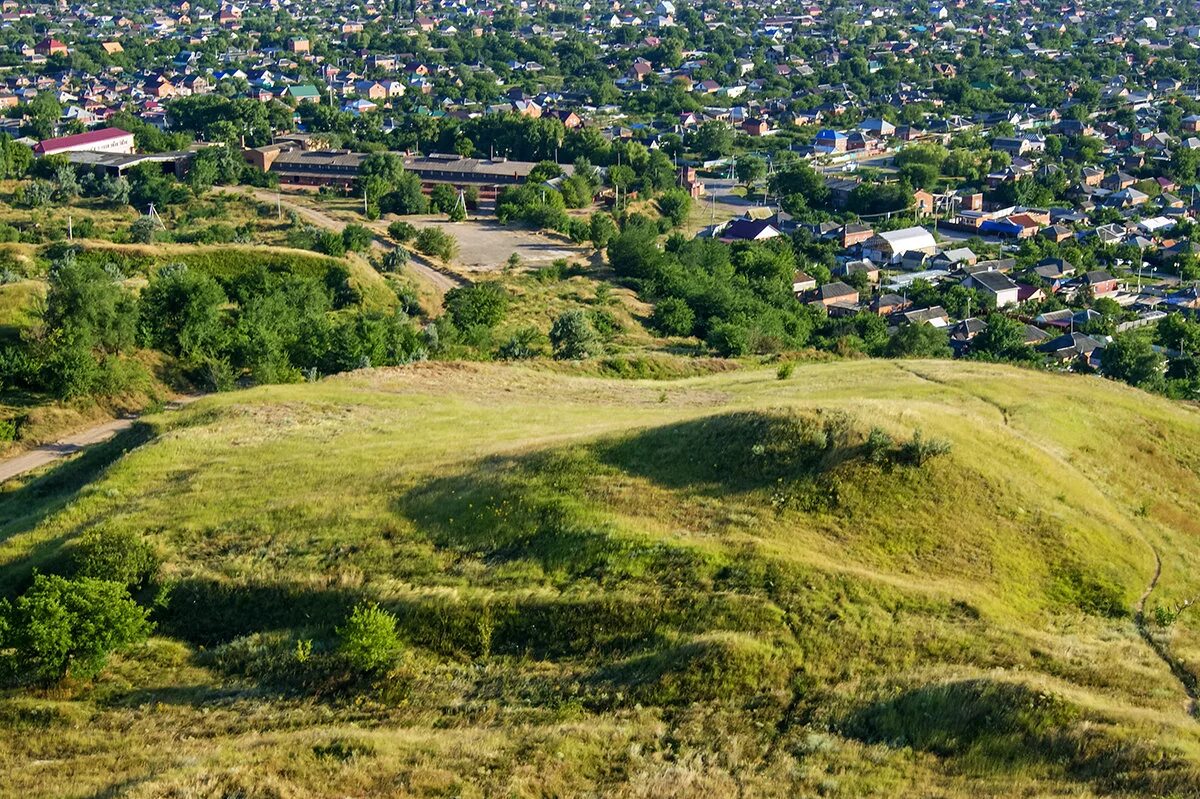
{"x": 725, "y": 585}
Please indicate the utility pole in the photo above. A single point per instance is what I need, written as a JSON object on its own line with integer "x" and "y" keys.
{"x": 70, "y": 229}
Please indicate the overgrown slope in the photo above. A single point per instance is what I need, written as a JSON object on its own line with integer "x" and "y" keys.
{"x": 722, "y": 585}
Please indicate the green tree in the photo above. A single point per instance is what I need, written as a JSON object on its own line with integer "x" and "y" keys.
{"x": 90, "y": 306}
{"x": 573, "y": 337}
{"x": 478, "y": 305}
{"x": 750, "y": 169}
{"x": 919, "y": 341}
{"x": 436, "y": 242}
{"x": 182, "y": 312}
{"x": 357, "y": 238}
{"x": 673, "y": 317}
{"x": 675, "y": 205}
{"x": 368, "y": 640}
{"x": 1131, "y": 357}
{"x": 1002, "y": 340}
{"x": 714, "y": 139}
{"x": 601, "y": 229}
{"x": 68, "y": 628}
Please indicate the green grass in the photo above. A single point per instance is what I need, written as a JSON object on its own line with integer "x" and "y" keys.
{"x": 637, "y": 588}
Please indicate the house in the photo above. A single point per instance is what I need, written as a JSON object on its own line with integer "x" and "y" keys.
{"x": 748, "y": 230}
{"x": 756, "y": 127}
{"x": 853, "y": 233}
{"x": 1071, "y": 347}
{"x": 303, "y": 93}
{"x": 963, "y": 332}
{"x": 863, "y": 267}
{"x": 996, "y": 286}
{"x": 831, "y": 141}
{"x": 836, "y": 292}
{"x": 108, "y": 140}
{"x": 923, "y": 201}
{"x": 888, "y": 304}
{"x": 802, "y": 282}
{"x": 50, "y": 47}
{"x": 935, "y": 316}
{"x": 1099, "y": 282}
{"x": 890, "y": 246}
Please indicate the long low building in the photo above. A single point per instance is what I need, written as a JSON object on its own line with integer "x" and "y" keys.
{"x": 296, "y": 166}
{"x": 117, "y": 164}
{"x": 108, "y": 140}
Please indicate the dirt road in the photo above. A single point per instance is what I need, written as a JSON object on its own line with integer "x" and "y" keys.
{"x": 48, "y": 453}
{"x": 440, "y": 281}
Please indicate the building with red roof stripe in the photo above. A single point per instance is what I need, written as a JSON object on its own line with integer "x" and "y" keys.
{"x": 108, "y": 140}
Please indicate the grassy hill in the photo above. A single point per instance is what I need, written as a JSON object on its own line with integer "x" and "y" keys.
{"x": 722, "y": 585}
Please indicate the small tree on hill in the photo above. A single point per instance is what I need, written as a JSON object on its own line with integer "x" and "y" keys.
{"x": 573, "y": 336}
{"x": 368, "y": 640}
{"x": 68, "y": 628}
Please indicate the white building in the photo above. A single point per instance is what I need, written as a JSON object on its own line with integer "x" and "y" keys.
{"x": 890, "y": 247}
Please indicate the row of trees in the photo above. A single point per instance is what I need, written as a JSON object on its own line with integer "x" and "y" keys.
{"x": 260, "y": 325}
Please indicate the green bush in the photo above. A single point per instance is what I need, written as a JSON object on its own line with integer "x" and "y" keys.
{"x": 524, "y": 343}
{"x": 673, "y": 317}
{"x": 117, "y": 556}
{"x": 368, "y": 639}
{"x": 573, "y": 336}
{"x": 477, "y": 305}
{"x": 402, "y": 231}
{"x": 436, "y": 242}
{"x": 68, "y": 628}
{"x": 920, "y": 450}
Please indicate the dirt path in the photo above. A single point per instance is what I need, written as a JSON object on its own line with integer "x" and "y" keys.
{"x": 48, "y": 453}
{"x": 1191, "y": 686}
{"x": 438, "y": 280}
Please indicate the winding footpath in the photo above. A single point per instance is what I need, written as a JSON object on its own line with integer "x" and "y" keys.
{"x": 1187, "y": 679}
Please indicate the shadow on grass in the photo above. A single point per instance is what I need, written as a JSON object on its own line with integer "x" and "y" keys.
{"x": 732, "y": 452}
{"x": 993, "y": 728}
{"x": 23, "y": 505}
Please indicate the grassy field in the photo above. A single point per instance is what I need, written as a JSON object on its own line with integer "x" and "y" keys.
{"x": 722, "y": 585}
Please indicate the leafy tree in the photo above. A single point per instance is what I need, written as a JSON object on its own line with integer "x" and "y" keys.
{"x": 800, "y": 179}
{"x": 402, "y": 231}
{"x": 182, "y": 312}
{"x": 478, "y": 305}
{"x": 714, "y": 139}
{"x": 1002, "y": 340}
{"x": 88, "y": 306}
{"x": 728, "y": 339}
{"x": 601, "y": 229}
{"x": 1178, "y": 333}
{"x": 675, "y": 205}
{"x": 919, "y": 341}
{"x": 1130, "y": 357}
{"x": 436, "y": 242}
{"x": 357, "y": 238}
{"x": 750, "y": 169}
{"x": 673, "y": 317}
{"x": 68, "y": 628}
{"x": 573, "y": 337}
{"x": 368, "y": 640}
{"x": 119, "y": 556}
